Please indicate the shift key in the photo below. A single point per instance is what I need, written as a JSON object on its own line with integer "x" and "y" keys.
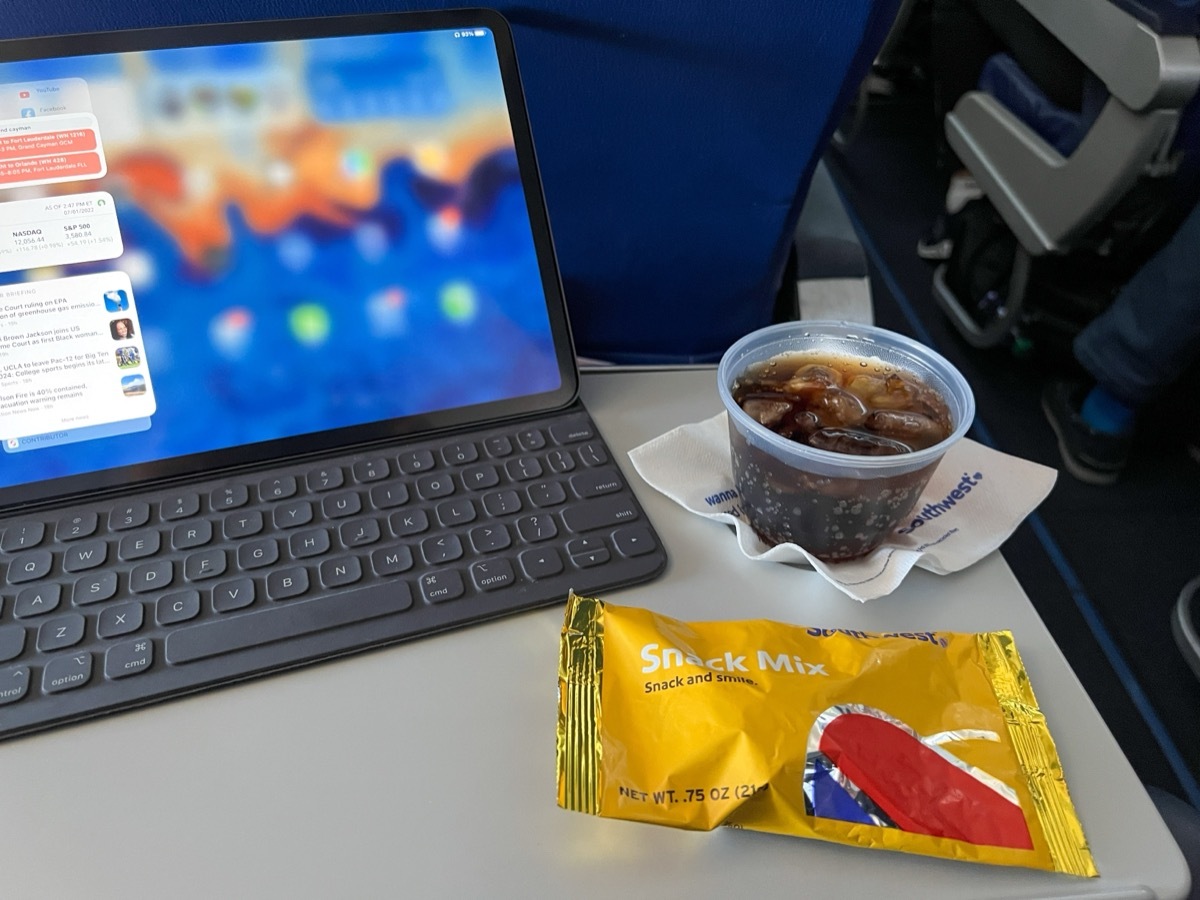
{"x": 600, "y": 513}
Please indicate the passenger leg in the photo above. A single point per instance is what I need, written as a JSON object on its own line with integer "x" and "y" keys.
{"x": 1133, "y": 351}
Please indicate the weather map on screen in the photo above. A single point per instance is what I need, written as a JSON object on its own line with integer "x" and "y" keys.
{"x": 208, "y": 247}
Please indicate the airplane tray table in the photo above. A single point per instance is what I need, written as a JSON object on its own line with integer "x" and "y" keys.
{"x": 427, "y": 768}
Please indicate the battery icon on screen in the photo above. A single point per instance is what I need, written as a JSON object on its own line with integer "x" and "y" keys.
{"x": 479, "y": 32}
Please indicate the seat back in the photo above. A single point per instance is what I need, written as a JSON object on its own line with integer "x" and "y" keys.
{"x": 1051, "y": 199}
{"x": 1111, "y": 181}
{"x": 676, "y": 143}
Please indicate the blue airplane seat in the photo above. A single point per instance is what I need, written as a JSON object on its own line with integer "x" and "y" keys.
{"x": 676, "y": 142}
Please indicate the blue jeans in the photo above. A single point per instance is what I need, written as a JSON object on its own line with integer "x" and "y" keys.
{"x": 1151, "y": 333}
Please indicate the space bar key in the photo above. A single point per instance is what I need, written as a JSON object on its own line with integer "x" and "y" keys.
{"x": 289, "y": 620}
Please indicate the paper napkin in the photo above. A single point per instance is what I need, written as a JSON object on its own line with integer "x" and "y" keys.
{"x": 974, "y": 501}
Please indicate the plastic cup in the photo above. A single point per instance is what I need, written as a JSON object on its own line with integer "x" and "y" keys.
{"x": 836, "y": 506}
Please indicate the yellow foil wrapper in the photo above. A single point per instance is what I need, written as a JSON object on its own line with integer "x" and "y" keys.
{"x": 925, "y": 742}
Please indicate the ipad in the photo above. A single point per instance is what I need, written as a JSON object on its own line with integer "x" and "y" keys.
{"x": 223, "y": 245}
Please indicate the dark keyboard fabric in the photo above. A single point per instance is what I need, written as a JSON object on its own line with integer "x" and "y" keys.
{"x": 129, "y": 600}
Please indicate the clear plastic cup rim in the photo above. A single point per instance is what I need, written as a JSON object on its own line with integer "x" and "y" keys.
{"x": 854, "y": 339}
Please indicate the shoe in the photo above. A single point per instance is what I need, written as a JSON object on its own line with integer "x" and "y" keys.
{"x": 962, "y": 190}
{"x": 1184, "y": 624}
{"x": 1094, "y": 457}
{"x": 936, "y": 245}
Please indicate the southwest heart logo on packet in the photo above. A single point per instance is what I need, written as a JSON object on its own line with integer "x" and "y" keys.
{"x": 864, "y": 766}
{"x": 922, "y": 742}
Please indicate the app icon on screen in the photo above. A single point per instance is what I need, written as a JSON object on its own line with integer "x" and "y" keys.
{"x": 128, "y": 358}
{"x": 133, "y": 385}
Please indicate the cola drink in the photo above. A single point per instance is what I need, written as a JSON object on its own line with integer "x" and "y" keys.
{"x": 849, "y": 405}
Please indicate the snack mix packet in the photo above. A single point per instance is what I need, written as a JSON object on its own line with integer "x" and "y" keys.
{"x": 924, "y": 742}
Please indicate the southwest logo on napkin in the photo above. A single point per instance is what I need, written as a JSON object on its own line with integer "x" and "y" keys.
{"x": 974, "y": 501}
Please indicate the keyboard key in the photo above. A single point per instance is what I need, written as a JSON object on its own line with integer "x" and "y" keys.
{"x": 581, "y": 545}
{"x": 277, "y": 623}
{"x": 523, "y": 468}
{"x": 123, "y": 618}
{"x": 206, "y": 564}
{"x": 194, "y": 534}
{"x": 184, "y": 506}
{"x": 85, "y": 555}
{"x": 359, "y": 533}
{"x": 460, "y": 453}
{"x": 94, "y": 588}
{"x": 453, "y": 513}
{"x": 229, "y": 497}
{"x": 12, "y": 642}
{"x": 14, "y": 684}
{"x": 293, "y": 515}
{"x": 405, "y": 524}
{"x": 338, "y": 506}
{"x": 256, "y": 554}
{"x": 66, "y": 673}
{"x": 635, "y": 540}
{"x": 490, "y": 538}
{"x": 139, "y": 545}
{"x": 387, "y": 496}
{"x": 594, "y": 482}
{"x": 546, "y": 493}
{"x": 151, "y": 576}
{"x": 538, "y": 527}
{"x": 592, "y": 454}
{"x": 600, "y": 513}
{"x": 415, "y": 461}
{"x": 571, "y": 432}
{"x": 340, "y": 572}
{"x": 277, "y": 488}
{"x": 230, "y": 595}
{"x": 180, "y": 606}
{"x": 287, "y": 583}
{"x": 242, "y": 524}
{"x": 30, "y": 566}
{"x": 133, "y": 514}
{"x": 591, "y": 558}
{"x": 443, "y": 549}
{"x": 560, "y": 461}
{"x": 493, "y": 574}
{"x": 531, "y": 439}
{"x": 437, "y": 587}
{"x": 477, "y": 478}
{"x": 433, "y": 487}
{"x": 370, "y": 470}
{"x": 541, "y": 562}
{"x": 498, "y": 447}
{"x": 128, "y": 658}
{"x": 60, "y": 632}
{"x": 37, "y": 601}
{"x": 391, "y": 560}
{"x": 77, "y": 526}
{"x": 22, "y": 536}
{"x": 304, "y": 544}
{"x": 325, "y": 479}
{"x": 502, "y": 503}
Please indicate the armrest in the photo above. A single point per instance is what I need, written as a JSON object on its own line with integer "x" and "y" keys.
{"x": 1048, "y": 199}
